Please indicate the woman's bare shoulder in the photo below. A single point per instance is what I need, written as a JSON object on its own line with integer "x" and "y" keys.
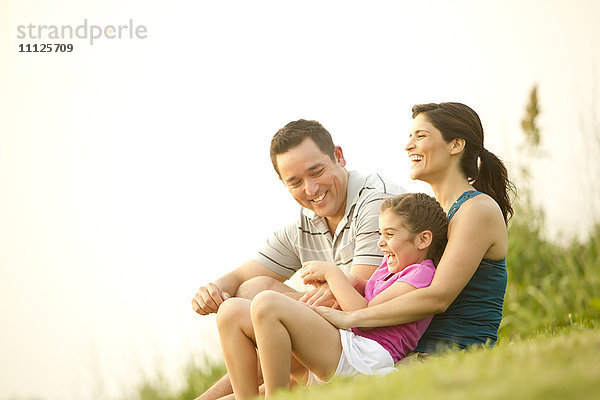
{"x": 480, "y": 219}
{"x": 481, "y": 209}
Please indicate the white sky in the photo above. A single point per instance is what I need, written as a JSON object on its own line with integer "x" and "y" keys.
{"x": 132, "y": 171}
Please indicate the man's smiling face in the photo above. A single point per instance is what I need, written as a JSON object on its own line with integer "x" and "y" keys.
{"x": 316, "y": 182}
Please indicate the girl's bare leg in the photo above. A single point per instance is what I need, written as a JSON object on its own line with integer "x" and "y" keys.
{"x": 237, "y": 342}
{"x": 281, "y": 325}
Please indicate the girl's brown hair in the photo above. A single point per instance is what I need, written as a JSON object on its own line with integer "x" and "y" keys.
{"x": 420, "y": 212}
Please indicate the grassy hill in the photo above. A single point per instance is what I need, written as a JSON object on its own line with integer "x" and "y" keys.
{"x": 559, "y": 365}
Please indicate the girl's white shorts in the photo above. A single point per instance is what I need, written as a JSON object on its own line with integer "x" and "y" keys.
{"x": 359, "y": 356}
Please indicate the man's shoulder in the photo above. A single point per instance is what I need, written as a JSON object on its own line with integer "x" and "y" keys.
{"x": 374, "y": 189}
{"x": 376, "y": 185}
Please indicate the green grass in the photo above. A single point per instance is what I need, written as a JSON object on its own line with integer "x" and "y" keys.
{"x": 559, "y": 365}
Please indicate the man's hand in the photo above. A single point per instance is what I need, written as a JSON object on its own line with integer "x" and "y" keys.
{"x": 320, "y": 296}
{"x": 208, "y": 299}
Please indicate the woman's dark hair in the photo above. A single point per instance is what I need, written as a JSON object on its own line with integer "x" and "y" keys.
{"x": 420, "y": 212}
{"x": 489, "y": 175}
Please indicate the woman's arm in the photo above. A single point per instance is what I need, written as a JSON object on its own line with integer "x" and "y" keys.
{"x": 468, "y": 242}
{"x": 397, "y": 289}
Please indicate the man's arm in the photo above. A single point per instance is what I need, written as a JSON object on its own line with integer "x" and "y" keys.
{"x": 209, "y": 297}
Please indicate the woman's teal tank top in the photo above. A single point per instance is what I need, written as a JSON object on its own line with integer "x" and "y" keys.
{"x": 474, "y": 316}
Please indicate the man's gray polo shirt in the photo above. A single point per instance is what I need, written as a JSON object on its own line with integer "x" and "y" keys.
{"x": 355, "y": 240}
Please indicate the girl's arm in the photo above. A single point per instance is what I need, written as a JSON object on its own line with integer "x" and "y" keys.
{"x": 348, "y": 298}
{"x": 358, "y": 277}
{"x": 345, "y": 293}
{"x": 468, "y": 243}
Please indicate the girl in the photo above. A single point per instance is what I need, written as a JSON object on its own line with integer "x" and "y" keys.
{"x": 466, "y": 295}
{"x": 293, "y": 339}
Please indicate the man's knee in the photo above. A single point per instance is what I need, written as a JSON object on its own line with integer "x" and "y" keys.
{"x": 250, "y": 288}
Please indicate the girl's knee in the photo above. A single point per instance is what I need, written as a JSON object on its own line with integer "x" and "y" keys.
{"x": 231, "y": 312}
{"x": 267, "y": 304}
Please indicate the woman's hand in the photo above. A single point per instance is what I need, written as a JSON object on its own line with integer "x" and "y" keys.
{"x": 339, "y": 319}
{"x": 316, "y": 271}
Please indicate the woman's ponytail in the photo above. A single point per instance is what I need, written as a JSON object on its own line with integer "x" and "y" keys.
{"x": 493, "y": 180}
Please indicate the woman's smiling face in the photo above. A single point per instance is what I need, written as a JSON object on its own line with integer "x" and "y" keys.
{"x": 427, "y": 150}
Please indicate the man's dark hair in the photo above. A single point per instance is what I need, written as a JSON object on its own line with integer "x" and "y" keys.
{"x": 296, "y": 132}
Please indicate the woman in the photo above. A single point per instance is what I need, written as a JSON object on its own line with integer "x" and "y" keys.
{"x": 466, "y": 295}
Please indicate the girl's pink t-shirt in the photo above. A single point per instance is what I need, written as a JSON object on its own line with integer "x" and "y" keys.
{"x": 398, "y": 339}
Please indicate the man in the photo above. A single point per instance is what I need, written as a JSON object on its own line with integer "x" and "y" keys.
{"x": 338, "y": 223}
